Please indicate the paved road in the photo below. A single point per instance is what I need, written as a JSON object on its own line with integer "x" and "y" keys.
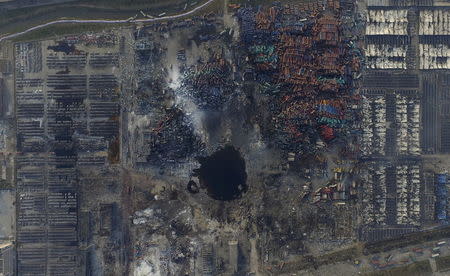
{"x": 169, "y": 17}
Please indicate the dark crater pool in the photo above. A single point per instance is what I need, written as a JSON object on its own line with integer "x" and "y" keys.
{"x": 223, "y": 174}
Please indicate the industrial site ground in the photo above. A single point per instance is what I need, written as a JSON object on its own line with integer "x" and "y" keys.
{"x": 250, "y": 138}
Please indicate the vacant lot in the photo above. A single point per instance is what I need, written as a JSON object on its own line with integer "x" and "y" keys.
{"x": 443, "y": 263}
{"x": 422, "y": 268}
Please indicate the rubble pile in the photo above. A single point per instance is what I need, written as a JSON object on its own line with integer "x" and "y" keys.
{"x": 165, "y": 236}
{"x": 209, "y": 83}
{"x": 105, "y": 39}
{"x": 172, "y": 139}
{"x": 149, "y": 75}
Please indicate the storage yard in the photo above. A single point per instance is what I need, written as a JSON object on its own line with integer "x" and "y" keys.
{"x": 403, "y": 89}
{"x": 277, "y": 139}
{"x": 67, "y": 116}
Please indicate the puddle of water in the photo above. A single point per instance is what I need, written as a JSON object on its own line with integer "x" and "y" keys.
{"x": 223, "y": 174}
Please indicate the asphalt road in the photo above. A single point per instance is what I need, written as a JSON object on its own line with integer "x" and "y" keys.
{"x": 62, "y": 21}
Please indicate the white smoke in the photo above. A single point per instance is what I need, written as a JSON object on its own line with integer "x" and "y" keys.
{"x": 174, "y": 77}
{"x": 185, "y": 102}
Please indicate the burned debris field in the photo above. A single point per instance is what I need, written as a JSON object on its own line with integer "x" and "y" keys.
{"x": 245, "y": 138}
